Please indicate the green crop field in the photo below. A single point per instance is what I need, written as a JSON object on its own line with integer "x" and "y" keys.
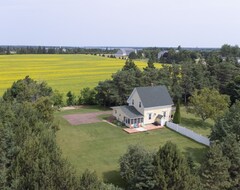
{"x": 62, "y": 72}
{"x": 98, "y": 146}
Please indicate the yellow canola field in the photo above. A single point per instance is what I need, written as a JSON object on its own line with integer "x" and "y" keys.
{"x": 61, "y": 72}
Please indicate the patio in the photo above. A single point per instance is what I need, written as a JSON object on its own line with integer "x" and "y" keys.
{"x": 147, "y": 127}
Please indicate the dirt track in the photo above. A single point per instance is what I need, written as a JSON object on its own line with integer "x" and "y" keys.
{"x": 84, "y": 118}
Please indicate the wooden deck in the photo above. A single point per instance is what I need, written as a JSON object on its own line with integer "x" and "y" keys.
{"x": 142, "y": 129}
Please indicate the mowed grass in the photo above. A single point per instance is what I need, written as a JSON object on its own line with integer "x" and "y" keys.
{"x": 99, "y": 146}
{"x": 61, "y": 72}
{"x": 196, "y": 124}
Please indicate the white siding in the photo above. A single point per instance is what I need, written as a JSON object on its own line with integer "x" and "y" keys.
{"x": 154, "y": 113}
{"x": 134, "y": 96}
{"x": 118, "y": 114}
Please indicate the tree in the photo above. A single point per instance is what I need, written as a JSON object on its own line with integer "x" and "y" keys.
{"x": 71, "y": 99}
{"x": 214, "y": 170}
{"x": 208, "y": 103}
{"x": 129, "y": 64}
{"x": 132, "y": 55}
{"x": 172, "y": 170}
{"x": 177, "y": 115}
{"x": 57, "y": 98}
{"x": 231, "y": 149}
{"x": 87, "y": 96}
{"x": 233, "y": 89}
{"x": 104, "y": 93}
{"x": 150, "y": 63}
{"x": 28, "y": 90}
{"x": 89, "y": 181}
{"x": 228, "y": 124}
{"x": 29, "y": 155}
{"x": 193, "y": 76}
{"x": 136, "y": 168}
{"x": 175, "y": 87}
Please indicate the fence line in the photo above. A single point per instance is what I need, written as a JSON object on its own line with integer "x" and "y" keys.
{"x": 189, "y": 133}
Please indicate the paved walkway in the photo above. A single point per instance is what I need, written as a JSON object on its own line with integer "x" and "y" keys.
{"x": 147, "y": 127}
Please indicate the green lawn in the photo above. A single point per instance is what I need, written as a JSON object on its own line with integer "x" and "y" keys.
{"x": 194, "y": 123}
{"x": 99, "y": 146}
{"x": 61, "y": 72}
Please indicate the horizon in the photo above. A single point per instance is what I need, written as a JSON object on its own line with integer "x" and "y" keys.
{"x": 135, "y": 23}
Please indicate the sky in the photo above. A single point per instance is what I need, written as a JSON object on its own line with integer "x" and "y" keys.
{"x": 135, "y": 23}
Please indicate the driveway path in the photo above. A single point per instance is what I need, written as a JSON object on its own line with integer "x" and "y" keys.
{"x": 85, "y": 118}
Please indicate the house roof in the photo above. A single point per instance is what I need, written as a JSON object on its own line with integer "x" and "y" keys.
{"x": 154, "y": 96}
{"x": 130, "y": 111}
{"x": 124, "y": 51}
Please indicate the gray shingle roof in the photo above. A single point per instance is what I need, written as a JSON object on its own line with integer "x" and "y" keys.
{"x": 130, "y": 111}
{"x": 153, "y": 96}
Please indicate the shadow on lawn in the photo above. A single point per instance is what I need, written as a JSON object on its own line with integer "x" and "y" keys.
{"x": 114, "y": 178}
{"x": 195, "y": 123}
{"x": 197, "y": 154}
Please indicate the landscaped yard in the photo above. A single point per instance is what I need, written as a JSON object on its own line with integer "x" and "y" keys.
{"x": 98, "y": 146}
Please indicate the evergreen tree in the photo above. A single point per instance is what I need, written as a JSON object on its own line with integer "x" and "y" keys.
{"x": 228, "y": 124}
{"x": 89, "y": 181}
{"x": 129, "y": 64}
{"x": 71, "y": 99}
{"x": 136, "y": 168}
{"x": 214, "y": 170}
{"x": 177, "y": 114}
{"x": 231, "y": 149}
{"x": 172, "y": 170}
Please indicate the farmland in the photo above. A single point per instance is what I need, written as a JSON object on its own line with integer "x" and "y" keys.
{"x": 61, "y": 72}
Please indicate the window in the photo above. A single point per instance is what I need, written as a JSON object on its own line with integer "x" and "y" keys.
{"x": 164, "y": 114}
{"x": 132, "y": 101}
{"x": 141, "y": 120}
{"x": 115, "y": 111}
{"x": 131, "y": 121}
{"x": 140, "y": 104}
{"x": 150, "y": 116}
{"x": 135, "y": 120}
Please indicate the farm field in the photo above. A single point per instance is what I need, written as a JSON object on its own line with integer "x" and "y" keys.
{"x": 61, "y": 72}
{"x": 98, "y": 146}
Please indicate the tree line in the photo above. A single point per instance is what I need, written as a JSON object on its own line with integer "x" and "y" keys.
{"x": 53, "y": 50}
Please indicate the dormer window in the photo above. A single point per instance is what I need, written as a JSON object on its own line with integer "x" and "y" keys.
{"x": 140, "y": 104}
{"x": 132, "y": 101}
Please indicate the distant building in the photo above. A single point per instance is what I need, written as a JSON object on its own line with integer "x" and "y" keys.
{"x": 238, "y": 60}
{"x": 123, "y": 52}
{"x": 161, "y": 53}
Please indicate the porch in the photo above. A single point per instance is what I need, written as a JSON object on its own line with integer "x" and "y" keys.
{"x": 142, "y": 128}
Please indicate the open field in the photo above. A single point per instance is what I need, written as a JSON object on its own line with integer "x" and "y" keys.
{"x": 62, "y": 72}
{"x": 98, "y": 146}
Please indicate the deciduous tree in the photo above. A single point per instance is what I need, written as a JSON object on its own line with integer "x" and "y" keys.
{"x": 208, "y": 103}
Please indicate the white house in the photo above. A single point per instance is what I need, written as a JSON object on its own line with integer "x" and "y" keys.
{"x": 123, "y": 52}
{"x": 145, "y": 105}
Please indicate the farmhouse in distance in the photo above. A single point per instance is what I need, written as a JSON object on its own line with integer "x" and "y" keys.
{"x": 124, "y": 52}
{"x": 146, "y": 105}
